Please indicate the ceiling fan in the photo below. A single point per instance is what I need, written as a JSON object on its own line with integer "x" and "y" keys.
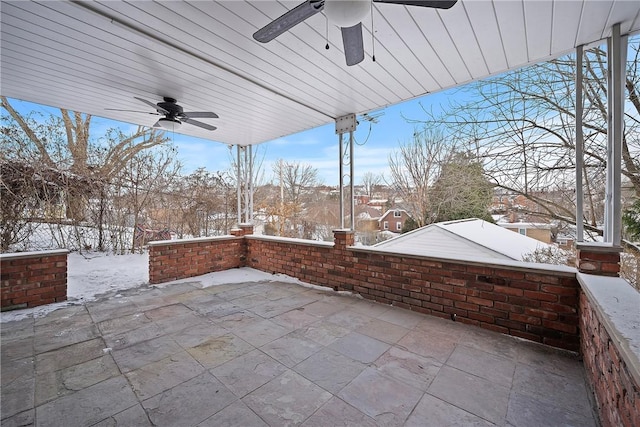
{"x": 346, "y": 14}
{"x": 174, "y": 115}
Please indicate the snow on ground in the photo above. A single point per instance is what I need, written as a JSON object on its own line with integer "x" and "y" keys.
{"x": 95, "y": 273}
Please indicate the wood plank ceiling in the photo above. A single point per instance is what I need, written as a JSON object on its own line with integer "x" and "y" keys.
{"x": 92, "y": 56}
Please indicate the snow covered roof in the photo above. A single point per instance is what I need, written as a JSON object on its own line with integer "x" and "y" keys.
{"x": 527, "y": 225}
{"x": 463, "y": 238}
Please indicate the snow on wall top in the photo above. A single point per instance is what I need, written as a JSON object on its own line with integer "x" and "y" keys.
{"x": 463, "y": 238}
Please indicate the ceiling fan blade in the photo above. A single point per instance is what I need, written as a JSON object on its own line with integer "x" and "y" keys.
{"x": 353, "y": 44}
{"x": 288, "y": 20}
{"x": 201, "y": 114}
{"x": 132, "y": 111}
{"x": 158, "y": 109}
{"x": 438, "y": 4}
{"x": 199, "y": 124}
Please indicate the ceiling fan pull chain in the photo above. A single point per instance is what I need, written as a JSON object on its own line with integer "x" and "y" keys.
{"x": 373, "y": 38}
{"x": 326, "y": 33}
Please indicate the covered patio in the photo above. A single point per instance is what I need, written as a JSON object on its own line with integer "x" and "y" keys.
{"x": 280, "y": 354}
{"x": 276, "y": 353}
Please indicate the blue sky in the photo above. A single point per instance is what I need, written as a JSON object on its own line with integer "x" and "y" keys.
{"x": 317, "y": 147}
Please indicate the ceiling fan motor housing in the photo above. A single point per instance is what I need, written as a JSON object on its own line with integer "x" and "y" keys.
{"x": 170, "y": 105}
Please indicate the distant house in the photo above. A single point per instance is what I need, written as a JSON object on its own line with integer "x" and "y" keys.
{"x": 393, "y": 220}
{"x": 535, "y": 230}
{"x": 467, "y": 238}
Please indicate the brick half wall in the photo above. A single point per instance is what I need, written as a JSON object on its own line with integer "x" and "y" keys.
{"x": 179, "y": 259}
{"x": 30, "y": 279}
{"x": 609, "y": 325}
{"x": 536, "y": 303}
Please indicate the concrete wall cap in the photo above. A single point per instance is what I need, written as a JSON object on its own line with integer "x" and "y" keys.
{"x": 617, "y": 305}
{"x": 192, "y": 240}
{"x": 34, "y": 254}
{"x": 598, "y": 247}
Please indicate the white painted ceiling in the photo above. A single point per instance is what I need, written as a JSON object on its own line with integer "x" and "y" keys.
{"x": 90, "y": 56}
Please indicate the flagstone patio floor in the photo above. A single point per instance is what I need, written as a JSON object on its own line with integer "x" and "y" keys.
{"x": 276, "y": 354}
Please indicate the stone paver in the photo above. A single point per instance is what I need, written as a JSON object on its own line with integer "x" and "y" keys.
{"x": 275, "y": 354}
{"x": 287, "y": 400}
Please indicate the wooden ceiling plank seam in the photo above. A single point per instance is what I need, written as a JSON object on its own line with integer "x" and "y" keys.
{"x": 466, "y": 67}
{"x": 220, "y": 67}
{"x": 315, "y": 95}
{"x": 625, "y": 13}
{"x": 464, "y": 40}
{"x": 484, "y": 23}
{"x": 221, "y": 78}
{"x": 394, "y": 63}
{"x": 415, "y": 58}
{"x": 376, "y": 85}
{"x": 511, "y": 21}
{"x": 429, "y": 55}
{"x": 381, "y": 76}
{"x": 595, "y": 16}
{"x": 260, "y": 68}
{"x": 433, "y": 48}
{"x": 320, "y": 73}
{"x": 566, "y": 21}
{"x": 606, "y": 28}
{"x": 81, "y": 43}
{"x": 469, "y": 49}
{"x": 539, "y": 40}
{"x": 60, "y": 54}
{"x": 23, "y": 72}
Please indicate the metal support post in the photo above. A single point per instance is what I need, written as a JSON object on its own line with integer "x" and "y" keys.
{"x": 579, "y": 147}
{"x": 351, "y": 194}
{"x": 246, "y": 185}
{"x": 616, "y": 53}
{"x": 238, "y": 185}
{"x": 341, "y": 180}
{"x": 346, "y": 124}
{"x": 251, "y": 183}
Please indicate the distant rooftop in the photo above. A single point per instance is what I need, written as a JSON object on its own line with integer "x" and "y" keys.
{"x": 463, "y": 238}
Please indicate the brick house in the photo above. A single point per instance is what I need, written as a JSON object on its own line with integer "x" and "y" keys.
{"x": 393, "y": 220}
{"x": 535, "y": 230}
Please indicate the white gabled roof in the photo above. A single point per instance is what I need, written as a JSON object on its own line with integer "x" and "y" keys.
{"x": 463, "y": 239}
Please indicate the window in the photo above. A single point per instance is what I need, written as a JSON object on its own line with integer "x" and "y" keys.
{"x": 398, "y": 225}
{"x": 522, "y": 231}
{"x": 386, "y": 225}
{"x": 397, "y": 214}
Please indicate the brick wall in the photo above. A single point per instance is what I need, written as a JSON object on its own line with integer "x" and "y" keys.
{"x": 533, "y": 303}
{"x": 598, "y": 258}
{"x": 31, "y": 279}
{"x": 617, "y": 393}
{"x": 179, "y": 259}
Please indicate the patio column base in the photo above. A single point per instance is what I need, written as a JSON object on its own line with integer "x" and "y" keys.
{"x": 343, "y": 238}
{"x": 242, "y": 230}
{"x": 601, "y": 259}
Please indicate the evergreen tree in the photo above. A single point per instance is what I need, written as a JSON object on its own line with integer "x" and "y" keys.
{"x": 461, "y": 190}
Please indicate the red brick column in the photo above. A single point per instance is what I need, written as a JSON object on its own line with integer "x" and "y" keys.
{"x": 242, "y": 230}
{"x": 598, "y": 258}
{"x": 343, "y": 238}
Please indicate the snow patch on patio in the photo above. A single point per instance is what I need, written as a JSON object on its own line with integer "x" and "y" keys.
{"x": 93, "y": 274}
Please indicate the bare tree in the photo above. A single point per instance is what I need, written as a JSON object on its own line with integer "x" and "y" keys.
{"x": 65, "y": 143}
{"x": 521, "y": 125}
{"x": 296, "y": 181}
{"x": 295, "y": 178}
{"x": 414, "y": 168}
{"x": 371, "y": 182}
